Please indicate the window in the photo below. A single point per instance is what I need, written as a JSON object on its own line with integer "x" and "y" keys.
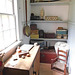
{"x": 7, "y": 24}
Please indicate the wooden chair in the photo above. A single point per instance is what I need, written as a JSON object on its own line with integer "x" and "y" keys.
{"x": 59, "y": 64}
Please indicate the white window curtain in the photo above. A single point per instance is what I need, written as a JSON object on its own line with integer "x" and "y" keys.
{"x": 7, "y": 24}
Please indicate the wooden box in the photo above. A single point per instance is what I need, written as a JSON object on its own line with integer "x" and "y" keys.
{"x": 46, "y": 56}
{"x": 33, "y": 26}
{"x": 34, "y": 36}
{"x": 34, "y": 31}
{"x": 49, "y": 35}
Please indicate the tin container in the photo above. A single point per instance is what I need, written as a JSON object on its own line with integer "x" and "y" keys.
{"x": 64, "y": 31}
{"x": 65, "y": 36}
{"x": 59, "y": 36}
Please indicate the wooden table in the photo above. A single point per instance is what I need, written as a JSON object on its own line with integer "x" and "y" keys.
{"x": 24, "y": 66}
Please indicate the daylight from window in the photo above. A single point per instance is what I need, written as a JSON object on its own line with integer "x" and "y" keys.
{"x": 7, "y": 24}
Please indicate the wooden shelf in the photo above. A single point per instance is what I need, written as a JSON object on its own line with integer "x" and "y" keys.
{"x": 51, "y": 3}
{"x": 54, "y": 39}
{"x": 43, "y": 21}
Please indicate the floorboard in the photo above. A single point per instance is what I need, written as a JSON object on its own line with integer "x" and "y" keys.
{"x": 45, "y": 69}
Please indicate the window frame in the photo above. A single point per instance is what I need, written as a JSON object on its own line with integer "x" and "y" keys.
{"x": 13, "y": 14}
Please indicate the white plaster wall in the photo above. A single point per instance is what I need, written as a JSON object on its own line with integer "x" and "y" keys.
{"x": 50, "y": 27}
{"x": 71, "y": 37}
{"x": 52, "y": 10}
{"x": 71, "y": 41}
{"x": 25, "y": 38}
{"x": 20, "y": 17}
{"x": 72, "y": 11}
{"x": 21, "y": 14}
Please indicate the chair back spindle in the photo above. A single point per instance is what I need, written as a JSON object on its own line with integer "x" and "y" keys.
{"x": 62, "y": 54}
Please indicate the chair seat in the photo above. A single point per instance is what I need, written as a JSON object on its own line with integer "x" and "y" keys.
{"x": 59, "y": 65}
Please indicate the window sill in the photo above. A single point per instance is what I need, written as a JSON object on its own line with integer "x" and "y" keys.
{"x": 10, "y": 50}
{"x": 12, "y": 46}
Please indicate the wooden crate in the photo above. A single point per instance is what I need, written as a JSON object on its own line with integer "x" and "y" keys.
{"x": 34, "y": 36}
{"x": 34, "y": 31}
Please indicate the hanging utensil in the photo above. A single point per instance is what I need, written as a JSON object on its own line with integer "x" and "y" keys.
{"x": 26, "y": 29}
